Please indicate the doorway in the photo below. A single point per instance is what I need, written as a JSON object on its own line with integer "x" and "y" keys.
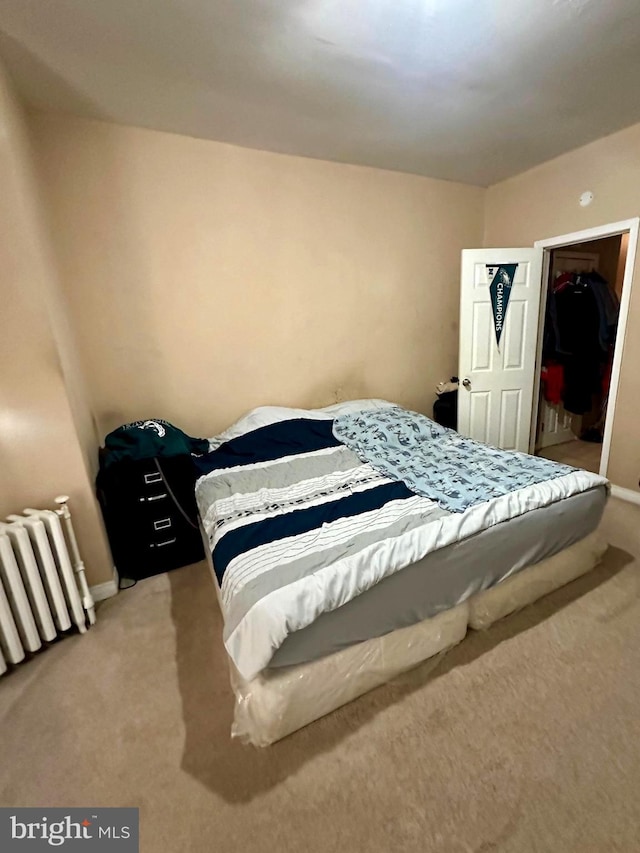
{"x": 586, "y": 288}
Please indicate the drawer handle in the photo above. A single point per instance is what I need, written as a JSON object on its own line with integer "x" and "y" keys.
{"x": 162, "y": 544}
{"x": 162, "y": 523}
{"x": 154, "y": 477}
{"x": 154, "y": 498}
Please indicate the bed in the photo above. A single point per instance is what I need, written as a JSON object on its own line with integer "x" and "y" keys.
{"x": 348, "y": 544}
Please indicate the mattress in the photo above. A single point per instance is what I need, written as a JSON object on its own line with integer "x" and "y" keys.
{"x": 280, "y": 701}
{"x": 447, "y": 577}
{"x": 328, "y": 529}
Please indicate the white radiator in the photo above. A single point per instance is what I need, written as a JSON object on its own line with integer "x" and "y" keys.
{"x": 43, "y": 589}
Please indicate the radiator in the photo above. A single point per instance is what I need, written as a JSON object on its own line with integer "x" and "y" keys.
{"x": 43, "y": 589}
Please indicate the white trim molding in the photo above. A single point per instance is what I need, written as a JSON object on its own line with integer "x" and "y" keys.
{"x": 630, "y": 226}
{"x": 625, "y": 494}
{"x": 102, "y": 591}
{"x": 587, "y": 234}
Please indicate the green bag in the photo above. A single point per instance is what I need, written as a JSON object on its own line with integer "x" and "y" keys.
{"x": 149, "y": 439}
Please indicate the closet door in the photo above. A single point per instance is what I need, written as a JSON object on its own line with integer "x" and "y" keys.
{"x": 499, "y": 322}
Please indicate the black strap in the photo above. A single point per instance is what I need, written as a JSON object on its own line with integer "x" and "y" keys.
{"x": 172, "y": 496}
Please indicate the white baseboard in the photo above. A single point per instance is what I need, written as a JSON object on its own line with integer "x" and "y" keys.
{"x": 626, "y": 494}
{"x": 101, "y": 591}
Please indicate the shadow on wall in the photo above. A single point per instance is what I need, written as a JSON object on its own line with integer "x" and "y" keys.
{"x": 240, "y": 772}
{"x": 205, "y": 279}
{"x": 348, "y": 387}
{"x": 119, "y": 275}
{"x": 60, "y": 93}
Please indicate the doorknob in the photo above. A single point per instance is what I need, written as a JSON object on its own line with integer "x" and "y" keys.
{"x": 466, "y": 383}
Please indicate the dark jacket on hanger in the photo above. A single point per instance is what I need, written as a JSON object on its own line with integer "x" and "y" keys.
{"x": 608, "y": 306}
{"x": 578, "y": 335}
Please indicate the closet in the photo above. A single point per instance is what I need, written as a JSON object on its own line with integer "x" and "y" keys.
{"x": 580, "y": 324}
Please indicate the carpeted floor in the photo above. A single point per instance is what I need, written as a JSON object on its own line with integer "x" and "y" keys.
{"x": 580, "y": 454}
{"x": 522, "y": 738}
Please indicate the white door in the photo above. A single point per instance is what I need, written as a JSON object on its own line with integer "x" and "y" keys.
{"x": 495, "y": 401}
{"x": 554, "y": 425}
{"x": 554, "y": 422}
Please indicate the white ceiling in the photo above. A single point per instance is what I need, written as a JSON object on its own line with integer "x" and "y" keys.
{"x": 468, "y": 90}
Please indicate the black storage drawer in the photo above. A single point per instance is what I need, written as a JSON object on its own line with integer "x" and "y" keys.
{"x": 150, "y": 515}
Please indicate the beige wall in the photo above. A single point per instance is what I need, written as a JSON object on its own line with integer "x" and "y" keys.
{"x": 544, "y": 203}
{"x": 199, "y": 280}
{"x": 206, "y": 279}
{"x": 44, "y": 420}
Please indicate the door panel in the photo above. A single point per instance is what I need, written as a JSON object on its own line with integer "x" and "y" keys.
{"x": 479, "y": 403}
{"x": 510, "y": 418}
{"x": 515, "y": 334}
{"x": 554, "y": 425}
{"x": 482, "y": 354}
{"x": 496, "y": 404}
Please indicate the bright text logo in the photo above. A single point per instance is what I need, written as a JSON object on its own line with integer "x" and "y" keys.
{"x": 31, "y": 830}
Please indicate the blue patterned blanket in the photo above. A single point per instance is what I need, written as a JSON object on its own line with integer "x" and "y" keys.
{"x": 436, "y": 462}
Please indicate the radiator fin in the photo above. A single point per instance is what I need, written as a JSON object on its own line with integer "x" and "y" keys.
{"x": 39, "y": 593}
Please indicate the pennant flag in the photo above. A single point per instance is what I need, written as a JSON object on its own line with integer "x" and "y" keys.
{"x": 501, "y": 279}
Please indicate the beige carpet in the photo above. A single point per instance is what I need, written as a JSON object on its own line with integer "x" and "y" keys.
{"x": 523, "y": 738}
{"x": 580, "y": 454}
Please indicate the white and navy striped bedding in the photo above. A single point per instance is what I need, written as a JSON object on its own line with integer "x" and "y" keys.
{"x": 299, "y": 525}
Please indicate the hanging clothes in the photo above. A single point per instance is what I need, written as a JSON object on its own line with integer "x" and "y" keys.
{"x": 552, "y": 378}
{"x": 580, "y": 326}
{"x": 608, "y": 306}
